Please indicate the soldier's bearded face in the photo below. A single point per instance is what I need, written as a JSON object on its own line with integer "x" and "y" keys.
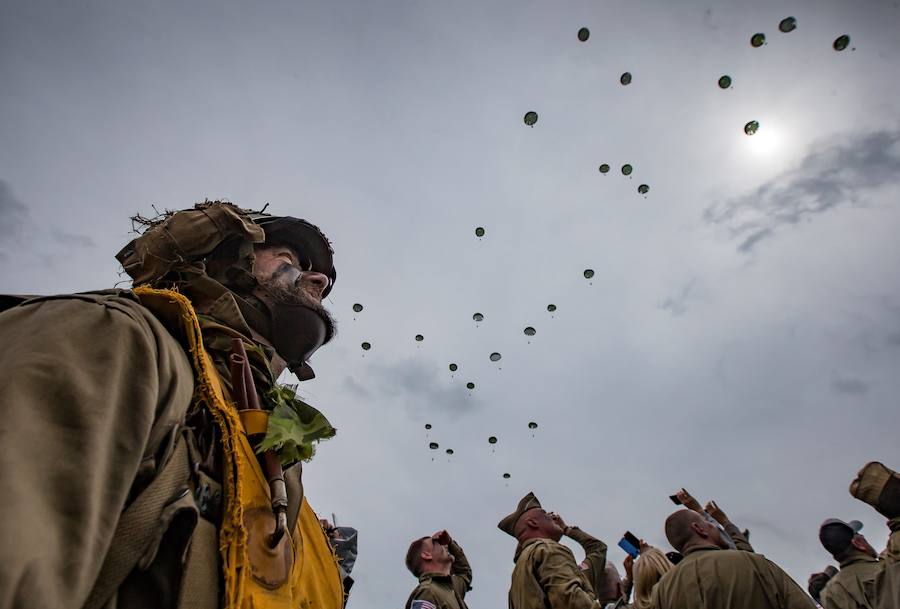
{"x": 281, "y": 277}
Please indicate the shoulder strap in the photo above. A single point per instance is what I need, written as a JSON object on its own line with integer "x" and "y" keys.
{"x": 137, "y": 525}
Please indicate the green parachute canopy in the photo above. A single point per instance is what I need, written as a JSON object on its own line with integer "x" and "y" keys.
{"x": 604, "y": 168}
{"x": 419, "y": 338}
{"x": 495, "y": 357}
{"x": 757, "y": 40}
{"x": 506, "y": 476}
{"x": 453, "y": 367}
{"x": 479, "y": 232}
{"x": 366, "y": 346}
{"x": 492, "y": 440}
{"x": 470, "y": 385}
{"x": 643, "y": 189}
{"x": 788, "y": 24}
{"x": 841, "y": 42}
{"x": 531, "y": 118}
{"x": 449, "y": 451}
{"x": 625, "y": 78}
{"x": 588, "y": 273}
{"x": 627, "y": 169}
{"x": 529, "y": 331}
{"x": 357, "y": 308}
{"x": 551, "y": 307}
{"x": 427, "y": 425}
{"x": 751, "y": 127}
{"x": 532, "y": 425}
{"x": 433, "y": 446}
{"x": 478, "y": 317}
{"x": 724, "y": 81}
{"x": 584, "y": 34}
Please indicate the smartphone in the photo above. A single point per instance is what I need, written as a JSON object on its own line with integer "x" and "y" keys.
{"x": 674, "y": 557}
{"x": 675, "y": 499}
{"x": 631, "y": 544}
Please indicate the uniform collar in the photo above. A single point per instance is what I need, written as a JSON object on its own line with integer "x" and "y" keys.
{"x": 856, "y": 559}
{"x": 701, "y": 548}
{"x": 434, "y": 576}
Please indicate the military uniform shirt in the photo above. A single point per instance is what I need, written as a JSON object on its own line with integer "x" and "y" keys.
{"x": 546, "y": 576}
{"x": 438, "y": 591}
{"x": 847, "y": 589}
{"x": 710, "y": 578}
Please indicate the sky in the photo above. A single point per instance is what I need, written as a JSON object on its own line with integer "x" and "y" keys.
{"x": 740, "y": 336}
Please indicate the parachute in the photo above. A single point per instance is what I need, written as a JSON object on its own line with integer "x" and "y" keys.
{"x": 532, "y": 425}
{"x": 643, "y": 189}
{"x": 419, "y": 338}
{"x": 551, "y": 307}
{"x": 724, "y": 81}
{"x": 751, "y": 127}
{"x": 433, "y": 446}
{"x": 588, "y": 273}
{"x": 841, "y": 42}
{"x": 495, "y": 357}
{"x": 492, "y": 440}
{"x": 366, "y": 346}
{"x": 506, "y": 476}
{"x": 529, "y": 331}
{"x": 470, "y": 385}
{"x": 788, "y": 24}
{"x": 757, "y": 40}
{"x": 584, "y": 34}
{"x": 531, "y": 118}
{"x": 449, "y": 451}
{"x": 627, "y": 169}
{"x": 604, "y": 168}
{"x": 479, "y": 232}
{"x": 427, "y": 425}
{"x": 478, "y": 317}
{"x": 625, "y": 78}
{"x": 357, "y": 308}
{"x": 453, "y": 367}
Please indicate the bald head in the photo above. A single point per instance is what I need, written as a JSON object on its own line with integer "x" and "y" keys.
{"x": 610, "y": 588}
{"x": 685, "y": 529}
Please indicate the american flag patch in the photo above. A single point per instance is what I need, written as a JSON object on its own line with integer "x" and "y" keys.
{"x": 422, "y": 605}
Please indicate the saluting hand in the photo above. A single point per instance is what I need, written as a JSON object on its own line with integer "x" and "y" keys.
{"x": 559, "y": 521}
{"x": 442, "y": 537}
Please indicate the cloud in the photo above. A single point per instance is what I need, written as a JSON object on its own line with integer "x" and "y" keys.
{"x": 13, "y": 214}
{"x": 850, "y": 386}
{"x": 837, "y": 173}
{"x": 416, "y": 386}
{"x": 677, "y": 304}
{"x": 72, "y": 239}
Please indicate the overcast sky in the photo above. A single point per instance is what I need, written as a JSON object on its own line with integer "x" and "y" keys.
{"x": 740, "y": 336}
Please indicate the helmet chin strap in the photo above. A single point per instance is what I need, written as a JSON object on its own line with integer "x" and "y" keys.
{"x": 295, "y": 331}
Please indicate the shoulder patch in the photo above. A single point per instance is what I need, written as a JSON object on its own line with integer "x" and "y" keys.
{"x": 422, "y": 605}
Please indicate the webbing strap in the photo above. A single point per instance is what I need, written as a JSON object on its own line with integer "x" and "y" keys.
{"x": 200, "y": 583}
{"x": 137, "y": 526}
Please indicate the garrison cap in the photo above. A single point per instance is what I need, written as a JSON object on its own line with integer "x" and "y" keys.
{"x": 508, "y": 524}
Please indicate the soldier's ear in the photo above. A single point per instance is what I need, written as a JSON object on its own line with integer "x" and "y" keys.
{"x": 425, "y": 555}
{"x": 699, "y": 528}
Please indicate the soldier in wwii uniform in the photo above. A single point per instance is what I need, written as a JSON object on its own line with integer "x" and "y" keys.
{"x": 546, "y": 575}
{"x": 442, "y": 569}
{"x": 150, "y": 457}
{"x": 711, "y": 576}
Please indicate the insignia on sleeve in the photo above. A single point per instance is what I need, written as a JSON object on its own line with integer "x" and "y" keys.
{"x": 422, "y": 605}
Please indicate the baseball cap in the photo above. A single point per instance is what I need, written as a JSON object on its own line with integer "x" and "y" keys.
{"x": 836, "y": 535}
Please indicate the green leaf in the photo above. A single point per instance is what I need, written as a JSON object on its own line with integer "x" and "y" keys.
{"x": 294, "y": 428}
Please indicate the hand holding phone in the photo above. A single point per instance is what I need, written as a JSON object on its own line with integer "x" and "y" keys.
{"x": 631, "y": 544}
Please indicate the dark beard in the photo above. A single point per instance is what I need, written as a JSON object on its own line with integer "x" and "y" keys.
{"x": 284, "y": 286}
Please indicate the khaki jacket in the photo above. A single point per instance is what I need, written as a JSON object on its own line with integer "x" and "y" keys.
{"x": 546, "y": 576}
{"x": 710, "y": 578}
{"x": 445, "y": 591}
{"x": 848, "y": 589}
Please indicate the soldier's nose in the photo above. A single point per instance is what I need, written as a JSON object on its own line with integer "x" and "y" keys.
{"x": 314, "y": 282}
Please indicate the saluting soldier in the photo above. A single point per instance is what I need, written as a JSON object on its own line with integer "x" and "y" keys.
{"x": 546, "y": 574}
{"x": 443, "y": 571}
{"x": 712, "y": 576}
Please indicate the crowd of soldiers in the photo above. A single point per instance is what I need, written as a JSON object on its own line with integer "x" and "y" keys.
{"x": 713, "y": 565}
{"x": 151, "y": 458}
